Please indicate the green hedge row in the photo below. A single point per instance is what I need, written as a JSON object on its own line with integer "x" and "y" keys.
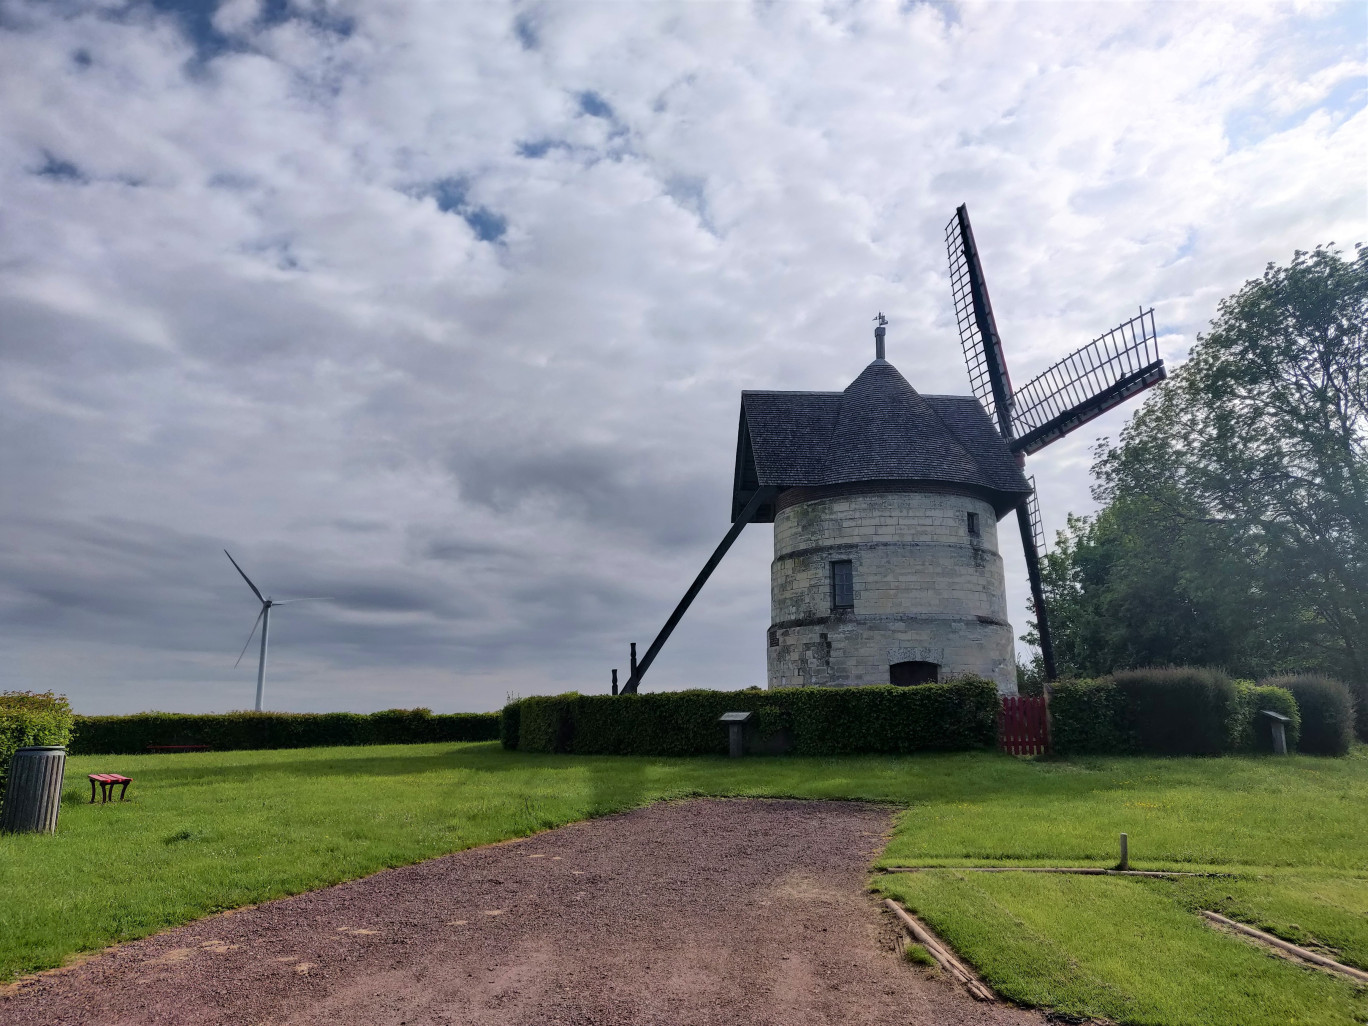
{"x": 1358, "y": 691}
{"x": 1327, "y": 712}
{"x": 1250, "y": 730}
{"x": 1085, "y": 718}
{"x": 30, "y": 718}
{"x": 130, "y": 735}
{"x": 1175, "y": 711}
{"x": 953, "y": 716}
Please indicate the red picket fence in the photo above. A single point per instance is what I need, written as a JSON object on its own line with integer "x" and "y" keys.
{"x": 1024, "y": 725}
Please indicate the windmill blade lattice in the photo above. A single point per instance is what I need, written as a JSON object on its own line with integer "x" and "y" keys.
{"x": 988, "y": 377}
{"x": 1037, "y": 522}
{"x": 1087, "y": 383}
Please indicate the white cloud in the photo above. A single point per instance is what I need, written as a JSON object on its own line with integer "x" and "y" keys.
{"x": 444, "y": 309}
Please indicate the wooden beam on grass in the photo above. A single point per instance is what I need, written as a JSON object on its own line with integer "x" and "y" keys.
{"x": 1043, "y": 869}
{"x": 942, "y": 954}
{"x": 1289, "y": 948}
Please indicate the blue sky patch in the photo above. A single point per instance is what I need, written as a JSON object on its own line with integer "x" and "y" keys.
{"x": 61, "y": 170}
{"x": 595, "y": 106}
{"x": 451, "y": 197}
{"x": 197, "y": 22}
{"x": 526, "y": 32}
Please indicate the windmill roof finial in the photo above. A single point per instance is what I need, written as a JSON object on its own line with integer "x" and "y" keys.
{"x": 880, "y": 320}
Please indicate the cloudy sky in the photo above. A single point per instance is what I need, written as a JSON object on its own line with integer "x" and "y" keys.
{"x": 443, "y": 310}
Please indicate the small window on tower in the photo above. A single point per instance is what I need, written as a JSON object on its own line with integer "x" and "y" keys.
{"x": 909, "y": 674}
{"x": 842, "y": 585}
{"x": 974, "y": 525}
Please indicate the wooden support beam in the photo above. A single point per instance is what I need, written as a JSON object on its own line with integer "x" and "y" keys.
{"x": 759, "y": 499}
{"x": 1028, "y": 546}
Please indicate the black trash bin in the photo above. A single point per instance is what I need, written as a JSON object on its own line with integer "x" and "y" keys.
{"x": 33, "y": 795}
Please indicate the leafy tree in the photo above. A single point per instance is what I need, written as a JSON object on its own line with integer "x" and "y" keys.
{"x": 1234, "y": 525}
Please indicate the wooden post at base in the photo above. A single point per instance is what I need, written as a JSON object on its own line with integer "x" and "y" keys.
{"x": 615, "y": 682}
{"x": 1125, "y": 852}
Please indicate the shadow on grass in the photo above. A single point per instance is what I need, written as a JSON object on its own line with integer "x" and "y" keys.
{"x": 399, "y": 763}
{"x": 621, "y": 782}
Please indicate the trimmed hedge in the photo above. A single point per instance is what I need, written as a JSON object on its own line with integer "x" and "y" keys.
{"x": 30, "y": 718}
{"x": 1358, "y": 691}
{"x": 510, "y": 717}
{"x": 131, "y": 735}
{"x": 1084, "y": 718}
{"x": 1129, "y": 713}
{"x": 1327, "y": 712}
{"x": 1250, "y": 730}
{"x": 1178, "y": 710}
{"x": 953, "y": 716}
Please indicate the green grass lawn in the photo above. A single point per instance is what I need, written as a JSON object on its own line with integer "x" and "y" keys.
{"x": 213, "y": 831}
{"x": 1288, "y": 837}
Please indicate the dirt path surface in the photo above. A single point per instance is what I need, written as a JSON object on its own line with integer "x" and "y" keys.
{"x": 683, "y": 913}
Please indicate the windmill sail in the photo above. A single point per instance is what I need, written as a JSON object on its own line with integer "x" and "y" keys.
{"x": 1033, "y": 546}
{"x": 1037, "y": 523}
{"x": 1087, "y": 383}
{"x": 977, "y": 328}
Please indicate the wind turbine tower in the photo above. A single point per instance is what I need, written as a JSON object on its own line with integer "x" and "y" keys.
{"x": 264, "y": 619}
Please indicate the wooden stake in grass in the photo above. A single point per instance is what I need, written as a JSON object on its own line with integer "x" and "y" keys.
{"x": 1125, "y": 853}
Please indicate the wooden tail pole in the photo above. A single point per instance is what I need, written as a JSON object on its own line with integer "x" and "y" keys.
{"x": 760, "y": 498}
{"x": 1028, "y": 545}
{"x": 615, "y": 682}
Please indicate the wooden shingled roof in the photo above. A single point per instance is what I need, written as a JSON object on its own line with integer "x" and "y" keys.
{"x": 879, "y": 429}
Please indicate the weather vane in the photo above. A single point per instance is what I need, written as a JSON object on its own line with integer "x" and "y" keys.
{"x": 880, "y": 320}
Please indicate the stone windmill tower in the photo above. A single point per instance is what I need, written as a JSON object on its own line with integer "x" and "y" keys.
{"x": 885, "y": 505}
{"x": 886, "y": 502}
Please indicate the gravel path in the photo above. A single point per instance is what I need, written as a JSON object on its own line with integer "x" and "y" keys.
{"x": 683, "y": 913}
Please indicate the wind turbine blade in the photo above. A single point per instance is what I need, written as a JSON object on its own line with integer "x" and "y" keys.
{"x": 250, "y": 636}
{"x": 316, "y": 598}
{"x": 244, "y": 576}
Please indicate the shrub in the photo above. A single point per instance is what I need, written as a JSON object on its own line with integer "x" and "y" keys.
{"x": 1177, "y": 710}
{"x": 128, "y": 735}
{"x": 807, "y": 721}
{"x": 509, "y": 719}
{"x": 30, "y": 718}
{"x": 1085, "y": 717}
{"x": 1249, "y": 729}
{"x": 1103, "y": 717}
{"x": 1327, "y": 712}
{"x": 1358, "y": 691}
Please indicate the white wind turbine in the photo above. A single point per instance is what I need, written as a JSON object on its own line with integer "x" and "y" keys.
{"x": 263, "y": 618}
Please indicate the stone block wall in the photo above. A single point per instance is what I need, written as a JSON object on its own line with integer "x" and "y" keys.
{"x": 925, "y": 590}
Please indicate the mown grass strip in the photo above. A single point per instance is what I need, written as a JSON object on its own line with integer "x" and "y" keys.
{"x": 1119, "y": 949}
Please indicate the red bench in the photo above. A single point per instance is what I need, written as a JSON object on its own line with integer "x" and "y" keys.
{"x": 107, "y": 782}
